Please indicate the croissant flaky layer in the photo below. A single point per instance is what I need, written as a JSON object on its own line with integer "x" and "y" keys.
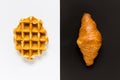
{"x": 89, "y": 40}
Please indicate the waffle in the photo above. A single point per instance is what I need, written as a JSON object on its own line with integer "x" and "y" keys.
{"x": 30, "y": 37}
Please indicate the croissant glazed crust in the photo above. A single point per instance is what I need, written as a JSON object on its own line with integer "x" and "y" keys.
{"x": 89, "y": 40}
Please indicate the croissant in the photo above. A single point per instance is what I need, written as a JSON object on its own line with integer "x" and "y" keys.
{"x": 89, "y": 40}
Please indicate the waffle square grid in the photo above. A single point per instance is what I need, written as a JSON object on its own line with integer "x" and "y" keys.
{"x": 30, "y": 37}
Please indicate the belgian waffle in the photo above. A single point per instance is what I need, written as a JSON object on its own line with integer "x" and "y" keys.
{"x": 30, "y": 37}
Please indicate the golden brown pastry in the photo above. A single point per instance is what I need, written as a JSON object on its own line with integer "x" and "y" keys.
{"x": 89, "y": 40}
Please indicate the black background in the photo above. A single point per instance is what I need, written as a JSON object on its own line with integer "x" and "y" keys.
{"x": 106, "y": 13}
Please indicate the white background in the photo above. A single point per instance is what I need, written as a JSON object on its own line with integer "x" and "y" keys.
{"x": 12, "y": 65}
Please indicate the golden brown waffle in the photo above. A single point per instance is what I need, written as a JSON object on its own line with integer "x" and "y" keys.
{"x": 30, "y": 37}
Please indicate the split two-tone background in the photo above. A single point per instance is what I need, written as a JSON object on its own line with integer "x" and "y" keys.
{"x": 62, "y": 60}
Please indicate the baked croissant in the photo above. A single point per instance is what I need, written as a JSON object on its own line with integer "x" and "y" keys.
{"x": 89, "y": 40}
